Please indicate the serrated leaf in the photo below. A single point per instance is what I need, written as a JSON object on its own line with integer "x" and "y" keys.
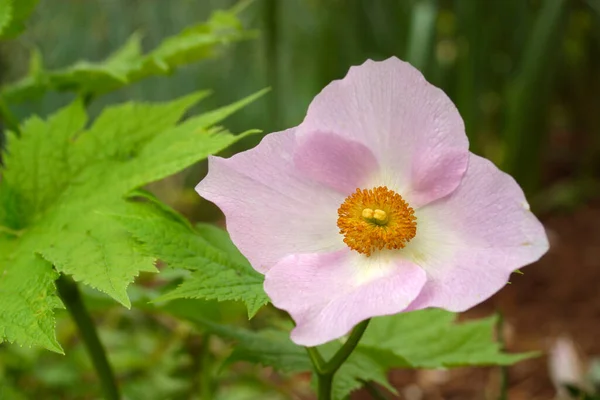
{"x": 218, "y": 115}
{"x": 269, "y": 347}
{"x": 432, "y": 339}
{"x": 38, "y": 163}
{"x": 60, "y": 184}
{"x": 219, "y": 272}
{"x": 220, "y": 239}
{"x": 129, "y": 53}
{"x": 420, "y": 339}
{"x": 27, "y": 302}
{"x": 105, "y": 257}
{"x": 173, "y": 151}
{"x": 358, "y": 369}
{"x": 214, "y": 283}
{"x": 128, "y": 64}
{"x": 273, "y": 348}
{"x": 120, "y": 130}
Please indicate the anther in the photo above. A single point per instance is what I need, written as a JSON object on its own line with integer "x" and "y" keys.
{"x": 380, "y": 215}
{"x": 376, "y": 219}
{"x": 368, "y": 213}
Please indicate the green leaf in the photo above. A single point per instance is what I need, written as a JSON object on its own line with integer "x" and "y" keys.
{"x": 60, "y": 187}
{"x": 213, "y": 282}
{"x": 267, "y": 347}
{"x": 38, "y": 162}
{"x": 27, "y": 301}
{"x": 216, "y": 116}
{"x": 128, "y": 64}
{"x": 105, "y": 258}
{"x": 218, "y": 270}
{"x": 419, "y": 339}
{"x": 220, "y": 239}
{"x": 13, "y": 14}
{"x": 120, "y": 130}
{"x": 358, "y": 369}
{"x": 431, "y": 339}
{"x": 6, "y": 14}
{"x": 274, "y": 348}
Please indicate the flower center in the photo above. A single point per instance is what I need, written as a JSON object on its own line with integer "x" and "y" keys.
{"x": 376, "y": 219}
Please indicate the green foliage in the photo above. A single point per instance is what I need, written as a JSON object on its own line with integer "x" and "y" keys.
{"x": 129, "y": 64}
{"x": 61, "y": 182}
{"x": 275, "y": 349}
{"x": 150, "y": 358}
{"x": 28, "y": 300}
{"x": 431, "y": 339}
{"x": 419, "y": 339}
{"x": 69, "y": 204}
{"x": 527, "y": 97}
{"x": 580, "y": 394}
{"x": 6, "y": 13}
{"x": 218, "y": 270}
{"x": 13, "y": 14}
{"x": 360, "y": 367}
{"x": 422, "y": 30}
{"x": 268, "y": 347}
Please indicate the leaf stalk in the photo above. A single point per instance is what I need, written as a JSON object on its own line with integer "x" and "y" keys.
{"x": 326, "y": 370}
{"x": 71, "y": 297}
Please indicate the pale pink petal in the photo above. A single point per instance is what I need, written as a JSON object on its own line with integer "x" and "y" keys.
{"x": 412, "y": 127}
{"x": 335, "y": 161}
{"x": 471, "y": 241}
{"x": 271, "y": 210}
{"x": 328, "y": 294}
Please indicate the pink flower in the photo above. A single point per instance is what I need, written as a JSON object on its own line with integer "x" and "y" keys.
{"x": 372, "y": 206}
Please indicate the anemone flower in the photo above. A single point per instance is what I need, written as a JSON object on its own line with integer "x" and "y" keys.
{"x": 373, "y": 206}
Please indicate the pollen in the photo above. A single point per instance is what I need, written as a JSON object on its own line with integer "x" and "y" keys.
{"x": 376, "y": 219}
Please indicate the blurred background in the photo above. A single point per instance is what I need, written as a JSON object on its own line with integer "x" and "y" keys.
{"x": 525, "y": 76}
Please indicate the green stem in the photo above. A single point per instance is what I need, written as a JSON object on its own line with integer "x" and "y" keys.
{"x": 325, "y": 385}
{"x": 316, "y": 359}
{"x": 69, "y": 293}
{"x": 206, "y": 384}
{"x": 503, "y": 369}
{"x": 326, "y": 370}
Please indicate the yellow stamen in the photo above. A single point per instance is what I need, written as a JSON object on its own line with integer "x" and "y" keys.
{"x": 367, "y": 213}
{"x": 380, "y": 215}
{"x": 376, "y": 219}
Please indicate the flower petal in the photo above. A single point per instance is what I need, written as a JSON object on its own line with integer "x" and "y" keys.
{"x": 272, "y": 210}
{"x": 471, "y": 241}
{"x": 412, "y": 127}
{"x": 328, "y": 294}
{"x": 335, "y": 161}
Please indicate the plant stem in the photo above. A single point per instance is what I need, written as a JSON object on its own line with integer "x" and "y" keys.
{"x": 326, "y": 370}
{"x": 503, "y": 369}
{"x": 206, "y": 382}
{"x": 325, "y": 384}
{"x": 69, "y": 293}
